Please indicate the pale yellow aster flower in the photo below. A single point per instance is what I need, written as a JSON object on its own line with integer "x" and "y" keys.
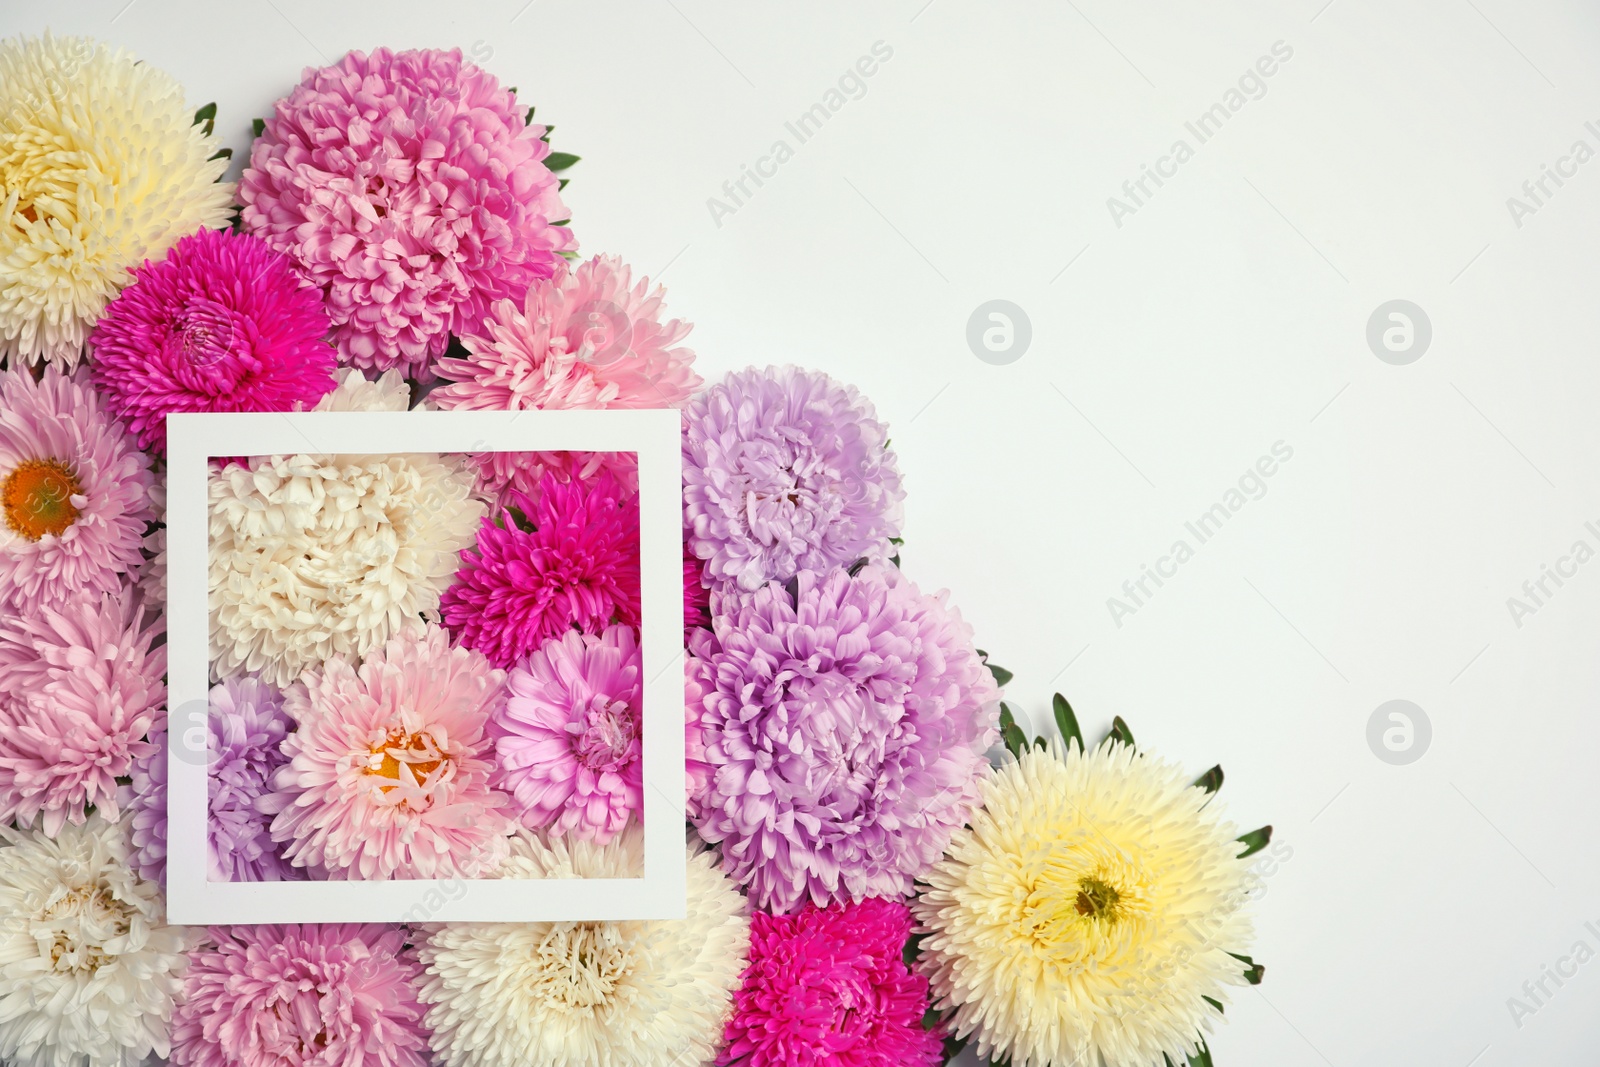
{"x": 1087, "y": 913}
{"x": 101, "y": 167}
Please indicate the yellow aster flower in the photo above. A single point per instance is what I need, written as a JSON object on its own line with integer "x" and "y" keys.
{"x": 101, "y": 168}
{"x": 1087, "y": 913}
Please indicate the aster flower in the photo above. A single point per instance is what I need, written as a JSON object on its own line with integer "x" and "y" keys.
{"x": 301, "y": 996}
{"x": 104, "y": 168}
{"x": 844, "y": 721}
{"x": 829, "y": 988}
{"x": 74, "y": 491}
{"x": 388, "y": 772}
{"x": 696, "y": 597}
{"x": 582, "y": 339}
{"x": 144, "y": 798}
{"x": 316, "y": 557}
{"x": 90, "y": 966}
{"x": 80, "y": 688}
{"x": 596, "y": 994}
{"x": 786, "y": 470}
{"x": 567, "y": 737}
{"x": 247, "y": 725}
{"x": 353, "y": 391}
{"x": 1088, "y": 913}
{"x": 409, "y": 189}
{"x": 502, "y": 473}
{"x": 577, "y": 567}
{"x": 222, "y": 324}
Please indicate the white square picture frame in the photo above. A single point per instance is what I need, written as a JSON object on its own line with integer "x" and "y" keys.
{"x": 654, "y": 435}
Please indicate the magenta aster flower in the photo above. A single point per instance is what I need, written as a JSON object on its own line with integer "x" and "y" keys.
{"x": 502, "y": 473}
{"x": 301, "y": 996}
{"x": 581, "y": 339}
{"x": 567, "y": 736}
{"x": 223, "y": 323}
{"x": 829, "y": 988}
{"x": 845, "y": 721}
{"x": 786, "y": 470}
{"x": 80, "y": 688}
{"x": 74, "y": 491}
{"x": 577, "y": 567}
{"x": 388, "y": 772}
{"x": 409, "y": 189}
{"x": 696, "y": 597}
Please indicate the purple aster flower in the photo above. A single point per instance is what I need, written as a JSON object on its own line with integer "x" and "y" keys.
{"x": 844, "y": 722}
{"x": 786, "y": 470}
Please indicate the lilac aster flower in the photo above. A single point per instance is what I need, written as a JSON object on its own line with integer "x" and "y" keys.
{"x": 246, "y": 725}
{"x": 844, "y": 722}
{"x": 786, "y": 470}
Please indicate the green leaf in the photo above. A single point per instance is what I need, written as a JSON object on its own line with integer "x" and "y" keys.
{"x": 563, "y": 222}
{"x": 1255, "y": 841}
{"x": 207, "y": 115}
{"x": 909, "y": 955}
{"x": 1001, "y": 675}
{"x": 1201, "y": 1058}
{"x": 1211, "y": 781}
{"x": 560, "y": 160}
{"x": 1066, "y": 721}
{"x": 548, "y": 130}
{"x": 528, "y": 118}
{"x": 221, "y": 153}
{"x": 897, "y": 540}
{"x": 1120, "y": 731}
{"x": 562, "y": 184}
{"x": 258, "y": 127}
{"x": 1254, "y": 971}
{"x": 1010, "y": 733}
{"x": 1040, "y": 743}
{"x": 1214, "y": 1003}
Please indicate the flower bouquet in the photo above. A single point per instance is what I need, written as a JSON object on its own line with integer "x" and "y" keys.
{"x": 427, "y": 665}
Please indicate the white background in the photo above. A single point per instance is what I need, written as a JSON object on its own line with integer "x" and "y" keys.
{"x": 1227, "y": 314}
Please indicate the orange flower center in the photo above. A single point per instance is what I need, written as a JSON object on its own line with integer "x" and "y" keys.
{"x": 37, "y": 498}
{"x": 416, "y": 751}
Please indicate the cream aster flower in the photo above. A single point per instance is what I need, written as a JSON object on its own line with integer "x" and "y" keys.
{"x": 88, "y": 968}
{"x": 314, "y": 557}
{"x": 101, "y": 167}
{"x": 1087, "y": 913}
{"x": 599, "y": 994}
{"x": 353, "y": 392}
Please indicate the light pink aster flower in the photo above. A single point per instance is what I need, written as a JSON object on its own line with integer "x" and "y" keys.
{"x": 337, "y": 995}
{"x": 74, "y": 491}
{"x": 502, "y": 473}
{"x": 585, "y": 338}
{"x": 567, "y": 736}
{"x": 410, "y": 189}
{"x": 80, "y": 690}
{"x": 388, "y": 772}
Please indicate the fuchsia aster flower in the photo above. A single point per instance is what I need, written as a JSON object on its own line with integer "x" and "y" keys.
{"x": 223, "y": 323}
{"x": 389, "y": 767}
{"x": 578, "y": 567}
{"x": 568, "y": 735}
{"x": 829, "y": 988}
{"x": 582, "y": 339}
{"x": 74, "y": 491}
{"x": 301, "y": 996}
{"x": 80, "y": 688}
{"x": 408, "y": 187}
{"x": 844, "y": 721}
{"x": 786, "y": 470}
{"x": 696, "y": 597}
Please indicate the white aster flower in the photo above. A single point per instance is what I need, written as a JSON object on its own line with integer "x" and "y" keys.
{"x": 597, "y": 994}
{"x": 353, "y": 392}
{"x": 88, "y": 967}
{"x": 101, "y": 167}
{"x": 1087, "y": 913}
{"x": 313, "y": 557}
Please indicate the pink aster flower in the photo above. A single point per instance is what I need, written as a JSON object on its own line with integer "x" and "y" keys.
{"x": 74, "y": 491}
{"x": 786, "y": 470}
{"x": 567, "y": 736}
{"x": 223, "y": 323}
{"x": 502, "y": 473}
{"x": 301, "y": 996}
{"x": 80, "y": 689}
{"x": 389, "y": 767}
{"x": 409, "y": 189}
{"x": 581, "y": 339}
{"x": 829, "y": 988}
{"x": 845, "y": 721}
{"x": 577, "y": 567}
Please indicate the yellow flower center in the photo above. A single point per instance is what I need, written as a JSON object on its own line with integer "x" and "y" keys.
{"x": 1097, "y": 900}
{"x": 416, "y": 751}
{"x": 37, "y": 498}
